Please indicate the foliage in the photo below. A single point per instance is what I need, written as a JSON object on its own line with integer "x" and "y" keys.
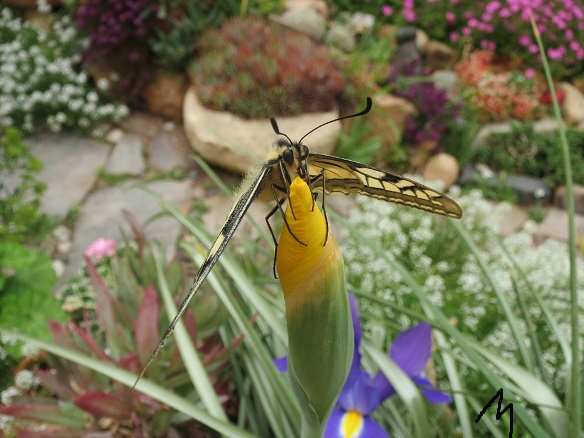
{"x": 179, "y": 23}
{"x": 256, "y": 69}
{"x": 503, "y": 26}
{"x": 458, "y": 138}
{"x": 435, "y": 108}
{"x": 357, "y": 145}
{"x": 429, "y": 248}
{"x": 496, "y": 96}
{"x": 26, "y": 303}
{"x": 118, "y": 49}
{"x": 20, "y": 217}
{"x": 40, "y": 82}
{"x": 123, "y": 329}
{"x": 524, "y": 151}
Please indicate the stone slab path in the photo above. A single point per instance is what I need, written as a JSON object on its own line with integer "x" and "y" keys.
{"x": 149, "y": 151}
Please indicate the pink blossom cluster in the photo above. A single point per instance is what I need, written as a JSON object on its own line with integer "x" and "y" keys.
{"x": 101, "y": 248}
{"x": 504, "y": 25}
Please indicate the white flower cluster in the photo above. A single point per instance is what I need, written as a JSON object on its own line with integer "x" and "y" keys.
{"x": 451, "y": 276}
{"x": 40, "y": 82}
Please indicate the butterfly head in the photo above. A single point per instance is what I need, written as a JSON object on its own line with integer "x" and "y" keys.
{"x": 294, "y": 155}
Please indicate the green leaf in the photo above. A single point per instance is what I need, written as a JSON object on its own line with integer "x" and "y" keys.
{"x": 25, "y": 270}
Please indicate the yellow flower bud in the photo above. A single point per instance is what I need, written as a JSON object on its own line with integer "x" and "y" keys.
{"x": 320, "y": 331}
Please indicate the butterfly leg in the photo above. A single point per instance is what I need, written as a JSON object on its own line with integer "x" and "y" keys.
{"x": 320, "y": 177}
{"x": 268, "y": 216}
{"x": 279, "y": 203}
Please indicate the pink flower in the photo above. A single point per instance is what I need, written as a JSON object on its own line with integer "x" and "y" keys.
{"x": 533, "y": 48}
{"x": 454, "y": 37}
{"x": 524, "y": 40}
{"x": 529, "y": 73}
{"x": 386, "y": 10}
{"x": 409, "y": 15}
{"x": 101, "y": 248}
{"x": 450, "y": 17}
{"x": 466, "y": 31}
{"x": 504, "y": 13}
{"x": 492, "y": 7}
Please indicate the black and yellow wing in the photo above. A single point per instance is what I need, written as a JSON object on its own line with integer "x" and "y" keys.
{"x": 349, "y": 177}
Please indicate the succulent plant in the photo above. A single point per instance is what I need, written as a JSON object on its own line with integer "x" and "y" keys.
{"x": 257, "y": 69}
{"x": 71, "y": 400}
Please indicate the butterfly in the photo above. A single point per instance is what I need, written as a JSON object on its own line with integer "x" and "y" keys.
{"x": 328, "y": 174}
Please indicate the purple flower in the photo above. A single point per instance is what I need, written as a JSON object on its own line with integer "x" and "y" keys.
{"x": 386, "y": 10}
{"x": 362, "y": 393}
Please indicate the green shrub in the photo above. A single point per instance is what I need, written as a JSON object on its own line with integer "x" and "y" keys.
{"x": 20, "y": 217}
{"x": 524, "y": 151}
{"x": 256, "y": 69}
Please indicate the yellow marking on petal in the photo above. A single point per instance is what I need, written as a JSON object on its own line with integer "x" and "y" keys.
{"x": 351, "y": 425}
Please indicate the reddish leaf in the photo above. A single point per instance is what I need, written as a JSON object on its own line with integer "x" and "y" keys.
{"x": 61, "y": 335}
{"x": 53, "y": 382}
{"x": 101, "y": 404}
{"x": 104, "y": 308}
{"x": 86, "y": 337}
{"x": 146, "y": 327}
{"x": 48, "y": 412}
{"x": 136, "y": 228}
{"x": 131, "y": 363}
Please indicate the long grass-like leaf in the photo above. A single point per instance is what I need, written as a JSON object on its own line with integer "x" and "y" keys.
{"x": 191, "y": 359}
{"x": 440, "y": 321}
{"x": 574, "y": 383}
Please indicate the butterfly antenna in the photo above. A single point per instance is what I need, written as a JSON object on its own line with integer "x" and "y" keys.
{"x": 362, "y": 113}
{"x": 277, "y": 130}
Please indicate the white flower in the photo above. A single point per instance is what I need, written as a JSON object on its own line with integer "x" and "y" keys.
{"x": 7, "y": 394}
{"x": 24, "y": 380}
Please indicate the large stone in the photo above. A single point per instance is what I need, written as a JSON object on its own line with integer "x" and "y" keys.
{"x": 439, "y": 55}
{"x": 304, "y": 20}
{"x": 573, "y": 103}
{"x": 319, "y": 6}
{"x": 70, "y": 168}
{"x": 512, "y": 220}
{"x": 170, "y": 150}
{"x": 443, "y": 167}
{"x": 145, "y": 124}
{"x": 102, "y": 215}
{"x": 237, "y": 144}
{"x": 561, "y": 199}
{"x": 555, "y": 225}
{"x": 165, "y": 95}
{"x": 127, "y": 157}
{"x": 387, "y": 119}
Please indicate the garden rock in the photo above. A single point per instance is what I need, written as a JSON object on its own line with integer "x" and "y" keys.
{"x": 443, "y": 167}
{"x": 560, "y": 198}
{"x": 555, "y": 225}
{"x": 170, "y": 150}
{"x": 439, "y": 55}
{"x": 341, "y": 36}
{"x": 102, "y": 215}
{"x": 319, "y": 6}
{"x": 165, "y": 95}
{"x": 142, "y": 124}
{"x": 512, "y": 220}
{"x": 127, "y": 157}
{"x": 387, "y": 119}
{"x": 573, "y": 103}
{"x": 237, "y": 144}
{"x": 305, "y": 20}
{"x": 70, "y": 168}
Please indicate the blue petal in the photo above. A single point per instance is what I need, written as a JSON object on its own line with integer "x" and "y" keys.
{"x": 432, "y": 395}
{"x": 412, "y": 348}
{"x": 359, "y": 393}
{"x": 356, "y": 331}
{"x": 385, "y": 388}
{"x": 282, "y": 364}
{"x": 369, "y": 428}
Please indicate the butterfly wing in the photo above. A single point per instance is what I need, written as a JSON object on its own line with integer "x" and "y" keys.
{"x": 233, "y": 220}
{"x": 346, "y": 176}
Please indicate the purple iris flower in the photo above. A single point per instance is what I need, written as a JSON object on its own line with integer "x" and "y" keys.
{"x": 362, "y": 393}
